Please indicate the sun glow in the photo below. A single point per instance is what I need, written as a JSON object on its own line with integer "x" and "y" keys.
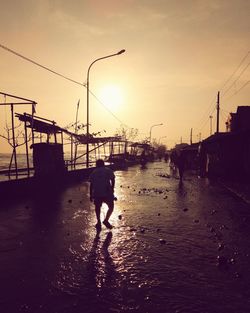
{"x": 112, "y": 97}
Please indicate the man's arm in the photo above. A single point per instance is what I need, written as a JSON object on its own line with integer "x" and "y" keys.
{"x": 91, "y": 192}
{"x": 113, "y": 183}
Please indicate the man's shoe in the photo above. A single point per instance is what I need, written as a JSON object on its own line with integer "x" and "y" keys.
{"x": 107, "y": 224}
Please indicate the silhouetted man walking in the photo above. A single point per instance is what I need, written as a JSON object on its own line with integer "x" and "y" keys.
{"x": 102, "y": 183}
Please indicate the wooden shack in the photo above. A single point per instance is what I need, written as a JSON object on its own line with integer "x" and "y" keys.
{"x": 227, "y": 155}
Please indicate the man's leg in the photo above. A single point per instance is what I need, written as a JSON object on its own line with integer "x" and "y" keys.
{"x": 98, "y": 205}
{"x": 110, "y": 204}
{"x": 180, "y": 169}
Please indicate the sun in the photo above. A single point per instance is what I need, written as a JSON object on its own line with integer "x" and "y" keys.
{"x": 112, "y": 97}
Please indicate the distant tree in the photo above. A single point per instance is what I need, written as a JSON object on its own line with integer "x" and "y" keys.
{"x": 160, "y": 149}
{"x": 18, "y": 141}
{"x": 146, "y": 140}
{"x": 127, "y": 133}
{"x": 19, "y": 136}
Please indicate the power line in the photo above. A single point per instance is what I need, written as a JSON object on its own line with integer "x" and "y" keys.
{"x": 61, "y": 75}
{"x": 224, "y": 117}
{"x": 107, "y": 108}
{"x": 237, "y": 68}
{"x": 241, "y": 73}
{"x": 207, "y": 120}
{"x": 225, "y": 111}
{"x": 204, "y": 122}
{"x": 237, "y": 91}
{"x": 40, "y": 65}
{"x": 210, "y": 107}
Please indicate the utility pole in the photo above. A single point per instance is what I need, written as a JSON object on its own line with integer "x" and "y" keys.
{"x": 76, "y": 131}
{"x": 191, "y": 136}
{"x": 211, "y": 117}
{"x": 218, "y": 112}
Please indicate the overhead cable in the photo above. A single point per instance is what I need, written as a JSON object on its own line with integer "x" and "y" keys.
{"x": 107, "y": 108}
{"x": 61, "y": 75}
{"x": 237, "y": 91}
{"x": 204, "y": 122}
{"x": 40, "y": 65}
{"x": 237, "y": 68}
{"x": 241, "y": 73}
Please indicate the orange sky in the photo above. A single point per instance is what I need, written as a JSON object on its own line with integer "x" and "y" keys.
{"x": 178, "y": 55}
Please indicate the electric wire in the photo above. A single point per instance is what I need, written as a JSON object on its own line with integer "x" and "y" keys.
{"x": 235, "y": 71}
{"x": 204, "y": 122}
{"x": 98, "y": 100}
{"x": 207, "y": 120}
{"x": 227, "y": 112}
{"x": 223, "y": 115}
{"x": 61, "y": 75}
{"x": 237, "y": 91}
{"x": 40, "y": 65}
{"x": 208, "y": 110}
{"x": 241, "y": 73}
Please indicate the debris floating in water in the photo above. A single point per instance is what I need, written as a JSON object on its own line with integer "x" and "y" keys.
{"x": 133, "y": 229}
{"x": 222, "y": 261}
{"x": 220, "y": 246}
{"x": 232, "y": 261}
{"x": 162, "y": 241}
{"x": 164, "y": 175}
{"x": 237, "y": 275}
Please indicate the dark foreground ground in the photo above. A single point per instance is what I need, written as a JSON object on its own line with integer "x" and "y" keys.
{"x": 173, "y": 249}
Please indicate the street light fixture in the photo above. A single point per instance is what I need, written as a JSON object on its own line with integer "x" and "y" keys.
{"x": 211, "y": 117}
{"x": 87, "y": 134}
{"x": 151, "y": 130}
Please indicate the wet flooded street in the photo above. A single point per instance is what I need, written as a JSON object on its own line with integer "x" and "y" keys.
{"x": 173, "y": 249}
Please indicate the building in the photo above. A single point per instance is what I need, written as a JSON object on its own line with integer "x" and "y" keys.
{"x": 227, "y": 155}
{"x": 240, "y": 120}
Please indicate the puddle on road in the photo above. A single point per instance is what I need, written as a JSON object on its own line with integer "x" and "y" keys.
{"x": 161, "y": 255}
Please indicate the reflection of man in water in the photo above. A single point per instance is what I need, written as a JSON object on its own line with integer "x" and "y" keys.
{"x": 102, "y": 183}
{"x": 101, "y": 276}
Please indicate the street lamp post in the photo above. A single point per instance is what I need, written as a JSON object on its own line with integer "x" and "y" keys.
{"x": 151, "y": 131}
{"x": 211, "y": 117}
{"x": 87, "y": 133}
